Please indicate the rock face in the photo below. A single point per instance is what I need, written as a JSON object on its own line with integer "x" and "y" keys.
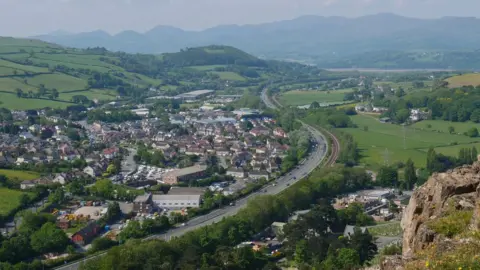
{"x": 458, "y": 188}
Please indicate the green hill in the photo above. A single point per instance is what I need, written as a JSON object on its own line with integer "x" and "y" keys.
{"x": 36, "y": 74}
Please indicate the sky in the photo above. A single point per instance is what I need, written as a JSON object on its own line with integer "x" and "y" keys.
{"x": 21, "y": 18}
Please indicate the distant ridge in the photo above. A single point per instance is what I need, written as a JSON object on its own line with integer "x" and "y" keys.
{"x": 304, "y": 38}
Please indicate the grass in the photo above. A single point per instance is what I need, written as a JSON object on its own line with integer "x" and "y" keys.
{"x": 20, "y": 175}
{"x": 389, "y": 229}
{"x": 61, "y": 82}
{"x": 9, "y": 200}
{"x": 301, "y": 97}
{"x": 11, "y": 84}
{"x": 12, "y": 102}
{"x": 442, "y": 126}
{"x": 453, "y": 224}
{"x": 206, "y": 68}
{"x": 385, "y": 142}
{"x": 100, "y": 94}
{"x": 229, "y": 75}
{"x": 464, "y": 80}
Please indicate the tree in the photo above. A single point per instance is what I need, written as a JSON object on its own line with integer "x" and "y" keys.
{"x": 315, "y": 105}
{"x": 365, "y": 128}
{"x": 387, "y": 176}
{"x": 451, "y": 129}
{"x": 474, "y": 154}
{"x": 19, "y": 92}
{"x": 400, "y": 92}
{"x": 364, "y": 244}
{"x": 431, "y": 159}
{"x": 58, "y": 196}
{"x": 24, "y": 200}
{"x": 301, "y": 251}
{"x": 347, "y": 259}
{"x": 49, "y": 239}
{"x": 55, "y": 93}
{"x": 473, "y": 132}
{"x": 102, "y": 243}
{"x": 410, "y": 175}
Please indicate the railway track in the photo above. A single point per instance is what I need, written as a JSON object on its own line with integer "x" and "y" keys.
{"x": 332, "y": 159}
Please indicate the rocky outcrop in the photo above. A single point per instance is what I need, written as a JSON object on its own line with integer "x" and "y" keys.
{"x": 456, "y": 189}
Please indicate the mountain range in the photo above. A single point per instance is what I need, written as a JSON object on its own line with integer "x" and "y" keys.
{"x": 307, "y": 38}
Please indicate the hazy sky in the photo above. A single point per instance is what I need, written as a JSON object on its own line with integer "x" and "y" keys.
{"x": 32, "y": 17}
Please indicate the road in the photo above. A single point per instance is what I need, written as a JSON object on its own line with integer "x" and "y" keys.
{"x": 315, "y": 158}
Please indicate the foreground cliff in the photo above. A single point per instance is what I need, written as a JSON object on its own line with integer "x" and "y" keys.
{"x": 441, "y": 223}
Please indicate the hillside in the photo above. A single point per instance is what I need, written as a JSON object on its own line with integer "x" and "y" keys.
{"x": 36, "y": 74}
{"x": 310, "y": 38}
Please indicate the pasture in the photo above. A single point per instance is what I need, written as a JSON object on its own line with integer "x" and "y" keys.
{"x": 389, "y": 143}
{"x": 464, "y": 80}
{"x": 19, "y": 175}
{"x": 9, "y": 200}
{"x": 12, "y": 102}
{"x": 228, "y": 75}
{"x": 304, "y": 97}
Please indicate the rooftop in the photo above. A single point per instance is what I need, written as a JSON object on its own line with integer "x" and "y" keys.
{"x": 196, "y": 93}
{"x": 188, "y": 170}
{"x": 168, "y": 197}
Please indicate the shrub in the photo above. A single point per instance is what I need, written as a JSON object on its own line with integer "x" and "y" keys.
{"x": 454, "y": 223}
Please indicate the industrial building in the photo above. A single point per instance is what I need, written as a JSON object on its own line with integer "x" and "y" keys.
{"x": 179, "y": 198}
{"x": 194, "y": 95}
{"x": 177, "y": 201}
{"x": 185, "y": 174}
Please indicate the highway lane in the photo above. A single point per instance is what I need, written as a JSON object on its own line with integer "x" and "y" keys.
{"x": 315, "y": 158}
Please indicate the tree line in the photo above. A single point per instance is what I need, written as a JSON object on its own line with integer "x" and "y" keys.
{"x": 212, "y": 246}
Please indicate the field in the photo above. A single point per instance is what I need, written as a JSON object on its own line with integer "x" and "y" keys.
{"x": 9, "y": 200}
{"x": 387, "y": 229}
{"x": 12, "y": 102}
{"x": 20, "y": 175}
{"x": 464, "y": 80}
{"x": 384, "y": 143}
{"x": 442, "y": 126}
{"x": 228, "y": 75}
{"x": 301, "y": 97}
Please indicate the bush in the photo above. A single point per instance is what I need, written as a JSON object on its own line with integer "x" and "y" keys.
{"x": 453, "y": 224}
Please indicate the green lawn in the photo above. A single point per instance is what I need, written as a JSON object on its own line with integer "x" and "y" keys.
{"x": 442, "y": 126}
{"x": 301, "y": 97}
{"x": 385, "y": 142}
{"x": 20, "y": 175}
{"x": 228, "y": 75}
{"x": 9, "y": 200}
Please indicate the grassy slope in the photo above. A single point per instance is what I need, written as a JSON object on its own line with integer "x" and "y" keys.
{"x": 300, "y": 97}
{"x": 379, "y": 137}
{"x": 39, "y": 52}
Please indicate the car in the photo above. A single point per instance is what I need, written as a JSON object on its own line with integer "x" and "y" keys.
{"x": 288, "y": 184}
{"x": 184, "y": 224}
{"x": 294, "y": 178}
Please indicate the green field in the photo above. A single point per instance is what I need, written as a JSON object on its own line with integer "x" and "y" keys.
{"x": 228, "y": 75}
{"x": 207, "y": 68}
{"x": 61, "y": 82}
{"x": 464, "y": 80}
{"x": 100, "y": 94}
{"x": 384, "y": 143}
{"x": 20, "y": 175}
{"x": 9, "y": 200}
{"x": 442, "y": 126}
{"x": 301, "y": 97}
{"x": 12, "y": 102}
